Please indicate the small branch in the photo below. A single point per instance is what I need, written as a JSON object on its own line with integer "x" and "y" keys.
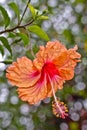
{"x": 16, "y": 27}
{"x": 8, "y": 30}
{"x": 24, "y": 12}
{"x": 27, "y": 24}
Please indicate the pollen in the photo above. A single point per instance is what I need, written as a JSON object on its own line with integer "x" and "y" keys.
{"x": 59, "y": 109}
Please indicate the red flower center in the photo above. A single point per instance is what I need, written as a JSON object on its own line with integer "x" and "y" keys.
{"x": 48, "y": 70}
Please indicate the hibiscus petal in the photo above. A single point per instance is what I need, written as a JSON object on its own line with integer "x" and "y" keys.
{"x": 67, "y": 73}
{"x": 61, "y": 60}
{"x": 66, "y": 63}
{"x": 73, "y": 54}
{"x": 22, "y": 73}
{"x": 57, "y": 84}
{"x": 34, "y": 93}
{"x": 48, "y": 53}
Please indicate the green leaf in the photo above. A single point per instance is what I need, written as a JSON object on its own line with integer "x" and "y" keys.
{"x": 5, "y": 15}
{"x": 23, "y": 30}
{"x": 1, "y": 49}
{"x": 43, "y": 17}
{"x": 45, "y": 12}
{"x": 16, "y": 41}
{"x": 32, "y": 9}
{"x": 24, "y": 38}
{"x": 35, "y": 48}
{"x": 15, "y": 9}
{"x": 68, "y": 36}
{"x": 7, "y": 61}
{"x": 11, "y": 35}
{"x": 38, "y": 31}
{"x": 6, "y": 44}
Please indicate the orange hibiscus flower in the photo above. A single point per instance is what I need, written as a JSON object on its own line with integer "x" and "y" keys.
{"x": 43, "y": 76}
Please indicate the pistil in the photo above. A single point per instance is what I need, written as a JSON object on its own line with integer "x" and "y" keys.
{"x": 59, "y": 108}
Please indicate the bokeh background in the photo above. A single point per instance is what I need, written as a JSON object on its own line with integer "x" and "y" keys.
{"x": 68, "y": 23}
